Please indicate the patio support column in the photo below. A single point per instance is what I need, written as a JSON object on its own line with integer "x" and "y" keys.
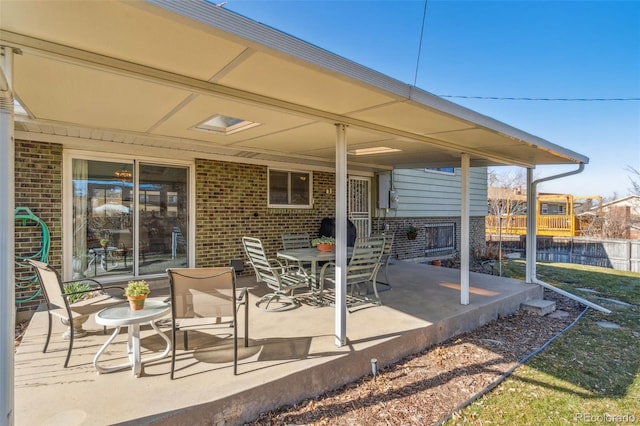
{"x": 341, "y": 235}
{"x": 464, "y": 230}
{"x": 530, "y": 247}
{"x": 7, "y": 236}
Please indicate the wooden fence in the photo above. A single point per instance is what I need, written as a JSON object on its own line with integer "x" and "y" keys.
{"x": 623, "y": 255}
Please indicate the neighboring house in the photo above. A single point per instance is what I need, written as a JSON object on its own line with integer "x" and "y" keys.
{"x": 164, "y": 135}
{"x": 623, "y": 217}
{"x": 631, "y": 201}
{"x": 559, "y": 215}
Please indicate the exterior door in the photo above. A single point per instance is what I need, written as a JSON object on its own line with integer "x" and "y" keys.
{"x": 359, "y": 204}
{"x": 128, "y": 218}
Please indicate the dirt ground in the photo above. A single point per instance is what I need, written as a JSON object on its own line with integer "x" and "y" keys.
{"x": 425, "y": 388}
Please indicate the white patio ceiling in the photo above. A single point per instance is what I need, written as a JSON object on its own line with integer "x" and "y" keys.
{"x": 136, "y": 77}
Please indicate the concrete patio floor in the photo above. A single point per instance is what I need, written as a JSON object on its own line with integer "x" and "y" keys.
{"x": 291, "y": 356}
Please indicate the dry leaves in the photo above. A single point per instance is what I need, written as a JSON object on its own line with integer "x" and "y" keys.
{"x": 424, "y": 388}
{"x": 20, "y": 328}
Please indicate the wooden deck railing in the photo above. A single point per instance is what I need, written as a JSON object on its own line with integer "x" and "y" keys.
{"x": 558, "y": 225}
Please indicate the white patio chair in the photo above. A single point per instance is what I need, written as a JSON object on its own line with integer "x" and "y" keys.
{"x": 295, "y": 241}
{"x": 282, "y": 279}
{"x": 362, "y": 269}
{"x": 386, "y": 257}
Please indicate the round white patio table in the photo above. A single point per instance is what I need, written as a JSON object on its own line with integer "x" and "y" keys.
{"x": 122, "y": 315}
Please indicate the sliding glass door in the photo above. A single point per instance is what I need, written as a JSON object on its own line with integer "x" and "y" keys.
{"x": 128, "y": 218}
{"x": 162, "y": 209}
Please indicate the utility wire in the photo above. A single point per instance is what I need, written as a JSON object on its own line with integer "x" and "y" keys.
{"x": 424, "y": 17}
{"x": 497, "y": 98}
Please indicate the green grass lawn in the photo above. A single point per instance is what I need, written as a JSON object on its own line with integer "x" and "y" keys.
{"x": 590, "y": 374}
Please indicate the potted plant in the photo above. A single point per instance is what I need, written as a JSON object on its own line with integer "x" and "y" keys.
{"x": 412, "y": 232}
{"x": 104, "y": 242}
{"x": 137, "y": 292}
{"x": 324, "y": 243}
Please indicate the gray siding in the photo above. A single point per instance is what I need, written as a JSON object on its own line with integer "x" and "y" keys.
{"x": 427, "y": 193}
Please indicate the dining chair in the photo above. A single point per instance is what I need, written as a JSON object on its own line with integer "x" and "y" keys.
{"x": 206, "y": 299}
{"x": 362, "y": 269}
{"x": 280, "y": 278}
{"x": 295, "y": 241}
{"x": 386, "y": 257}
{"x": 57, "y": 299}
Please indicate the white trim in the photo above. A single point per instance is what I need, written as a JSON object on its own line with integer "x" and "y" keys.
{"x": 341, "y": 236}
{"x": 530, "y": 242}
{"x": 108, "y": 147}
{"x": 465, "y": 228}
{"x": 67, "y": 215}
{"x": 97, "y": 155}
{"x": 7, "y": 238}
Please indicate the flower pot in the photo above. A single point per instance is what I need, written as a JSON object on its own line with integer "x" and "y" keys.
{"x": 412, "y": 236}
{"x": 326, "y": 247}
{"x": 136, "y": 302}
{"x": 78, "y": 329}
{"x": 436, "y": 263}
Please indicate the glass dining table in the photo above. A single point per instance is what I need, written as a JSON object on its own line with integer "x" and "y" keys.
{"x": 311, "y": 255}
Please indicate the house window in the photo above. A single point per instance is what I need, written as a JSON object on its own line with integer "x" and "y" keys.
{"x": 440, "y": 239}
{"x": 290, "y": 189}
{"x": 445, "y": 170}
{"x": 127, "y": 224}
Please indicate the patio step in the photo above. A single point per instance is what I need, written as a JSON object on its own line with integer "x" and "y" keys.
{"x": 539, "y": 306}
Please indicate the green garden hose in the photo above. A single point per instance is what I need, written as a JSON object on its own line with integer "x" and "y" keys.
{"x": 26, "y": 216}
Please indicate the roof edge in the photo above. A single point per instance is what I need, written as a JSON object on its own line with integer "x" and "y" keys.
{"x": 217, "y": 17}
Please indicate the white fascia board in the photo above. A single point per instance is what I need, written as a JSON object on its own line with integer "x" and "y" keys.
{"x": 439, "y": 104}
{"x": 230, "y": 22}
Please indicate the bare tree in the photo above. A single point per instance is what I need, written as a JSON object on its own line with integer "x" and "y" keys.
{"x": 617, "y": 222}
{"x": 506, "y": 199}
{"x": 634, "y": 177}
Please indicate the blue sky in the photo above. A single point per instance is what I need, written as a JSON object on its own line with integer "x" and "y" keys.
{"x": 522, "y": 49}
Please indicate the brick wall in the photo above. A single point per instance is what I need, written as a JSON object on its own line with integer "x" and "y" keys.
{"x": 231, "y": 202}
{"x": 403, "y": 248}
{"x": 38, "y": 186}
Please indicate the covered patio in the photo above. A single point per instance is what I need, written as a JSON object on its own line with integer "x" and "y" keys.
{"x": 292, "y": 355}
{"x": 143, "y": 79}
